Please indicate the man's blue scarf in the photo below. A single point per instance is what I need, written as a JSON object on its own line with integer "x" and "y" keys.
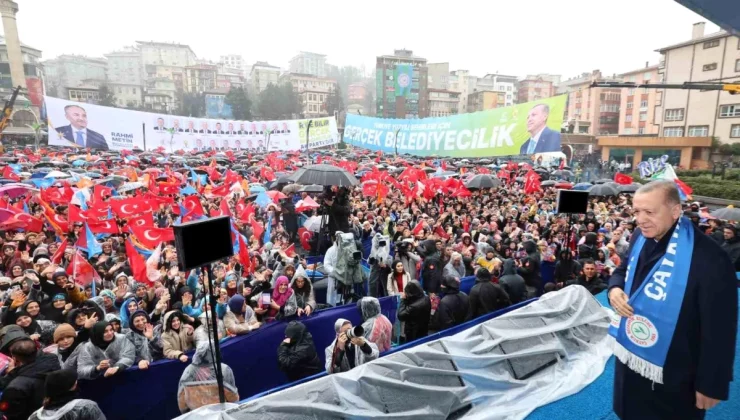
{"x": 642, "y": 340}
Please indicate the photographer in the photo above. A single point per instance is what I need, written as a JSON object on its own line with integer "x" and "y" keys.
{"x": 348, "y": 350}
{"x": 380, "y": 265}
{"x": 409, "y": 259}
{"x": 529, "y": 268}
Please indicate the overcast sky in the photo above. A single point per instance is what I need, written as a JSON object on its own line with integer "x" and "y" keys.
{"x": 509, "y": 37}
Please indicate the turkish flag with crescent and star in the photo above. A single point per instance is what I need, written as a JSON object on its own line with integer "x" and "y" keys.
{"x": 103, "y": 226}
{"x": 193, "y": 206}
{"x": 130, "y": 207}
{"x": 81, "y": 271}
{"x": 150, "y": 237}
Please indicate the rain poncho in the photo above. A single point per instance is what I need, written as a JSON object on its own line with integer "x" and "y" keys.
{"x": 332, "y": 351}
{"x": 73, "y": 410}
{"x": 304, "y": 296}
{"x": 202, "y": 332}
{"x": 286, "y": 301}
{"x": 378, "y": 328}
{"x": 120, "y": 352}
{"x": 146, "y": 349}
{"x": 198, "y": 385}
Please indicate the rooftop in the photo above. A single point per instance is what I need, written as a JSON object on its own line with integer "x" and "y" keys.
{"x": 641, "y": 70}
{"x": 709, "y": 37}
{"x": 2, "y": 42}
{"x": 264, "y": 64}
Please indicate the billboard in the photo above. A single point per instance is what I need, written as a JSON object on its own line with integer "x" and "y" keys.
{"x": 403, "y": 76}
{"x": 523, "y": 129}
{"x": 98, "y": 127}
{"x": 217, "y": 108}
{"x": 102, "y": 127}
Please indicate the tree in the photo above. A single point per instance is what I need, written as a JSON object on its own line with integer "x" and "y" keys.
{"x": 334, "y": 102}
{"x": 241, "y": 106}
{"x": 291, "y": 105}
{"x": 52, "y": 90}
{"x": 277, "y": 102}
{"x": 107, "y": 98}
{"x": 369, "y": 103}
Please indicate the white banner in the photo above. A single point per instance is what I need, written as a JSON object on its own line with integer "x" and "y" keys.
{"x": 98, "y": 127}
{"x": 174, "y": 133}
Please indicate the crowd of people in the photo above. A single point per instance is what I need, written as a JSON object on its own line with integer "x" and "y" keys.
{"x": 90, "y": 284}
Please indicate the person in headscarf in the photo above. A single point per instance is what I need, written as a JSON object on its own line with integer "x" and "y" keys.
{"x": 198, "y": 387}
{"x": 344, "y": 354}
{"x": 129, "y": 306}
{"x": 141, "y": 335}
{"x": 303, "y": 291}
{"x": 241, "y": 318}
{"x": 205, "y": 329}
{"x": 283, "y": 300}
{"x": 566, "y": 268}
{"x": 297, "y": 355}
{"x": 378, "y": 328}
{"x": 397, "y": 279}
{"x": 56, "y": 310}
{"x": 512, "y": 283}
{"x": 177, "y": 337}
{"x": 455, "y": 268}
{"x": 115, "y": 321}
{"x": 414, "y": 311}
{"x": 106, "y": 354}
{"x": 65, "y": 346}
{"x": 62, "y": 402}
{"x": 39, "y": 331}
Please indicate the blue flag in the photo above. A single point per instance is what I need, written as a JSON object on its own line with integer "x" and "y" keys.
{"x": 82, "y": 199}
{"x": 263, "y": 200}
{"x": 187, "y": 190}
{"x": 43, "y": 182}
{"x": 25, "y": 208}
{"x": 93, "y": 247}
{"x": 268, "y": 231}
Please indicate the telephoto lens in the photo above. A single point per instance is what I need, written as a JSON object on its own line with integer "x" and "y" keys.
{"x": 355, "y": 332}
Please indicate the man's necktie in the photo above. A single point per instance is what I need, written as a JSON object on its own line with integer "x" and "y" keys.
{"x": 80, "y": 140}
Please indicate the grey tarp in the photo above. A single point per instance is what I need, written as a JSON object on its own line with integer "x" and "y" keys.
{"x": 555, "y": 346}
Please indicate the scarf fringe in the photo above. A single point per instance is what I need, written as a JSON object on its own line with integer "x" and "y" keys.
{"x": 637, "y": 364}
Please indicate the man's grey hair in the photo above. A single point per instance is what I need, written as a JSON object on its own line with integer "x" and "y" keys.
{"x": 73, "y": 106}
{"x": 669, "y": 189}
{"x": 545, "y": 108}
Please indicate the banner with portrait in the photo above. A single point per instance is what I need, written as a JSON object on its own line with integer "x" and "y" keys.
{"x": 523, "y": 129}
{"x": 83, "y": 125}
{"x": 119, "y": 129}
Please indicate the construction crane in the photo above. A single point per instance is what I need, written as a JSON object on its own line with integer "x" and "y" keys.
{"x": 732, "y": 88}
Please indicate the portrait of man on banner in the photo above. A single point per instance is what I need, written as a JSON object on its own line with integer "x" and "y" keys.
{"x": 542, "y": 139}
{"x": 77, "y": 132}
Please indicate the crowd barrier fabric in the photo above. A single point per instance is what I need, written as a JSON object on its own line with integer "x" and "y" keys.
{"x": 152, "y": 393}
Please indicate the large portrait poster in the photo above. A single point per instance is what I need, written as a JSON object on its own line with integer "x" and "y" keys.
{"x": 84, "y": 125}
{"x": 523, "y": 129}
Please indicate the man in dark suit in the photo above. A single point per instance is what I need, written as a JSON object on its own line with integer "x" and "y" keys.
{"x": 542, "y": 139}
{"x": 698, "y": 366}
{"x": 77, "y": 131}
{"x": 242, "y": 130}
{"x": 176, "y": 126}
{"x": 218, "y": 129}
{"x": 204, "y": 128}
{"x": 231, "y": 131}
{"x": 160, "y": 125}
{"x": 191, "y": 128}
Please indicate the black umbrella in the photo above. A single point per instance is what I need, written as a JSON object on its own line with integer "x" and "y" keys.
{"x": 727, "y": 213}
{"x": 602, "y": 181}
{"x": 324, "y": 175}
{"x": 602, "y": 190}
{"x": 548, "y": 183}
{"x": 629, "y": 188}
{"x": 482, "y": 181}
{"x": 542, "y": 171}
{"x": 311, "y": 189}
{"x": 563, "y": 173}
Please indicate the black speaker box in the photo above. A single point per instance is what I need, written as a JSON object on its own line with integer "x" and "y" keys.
{"x": 202, "y": 242}
{"x": 572, "y": 202}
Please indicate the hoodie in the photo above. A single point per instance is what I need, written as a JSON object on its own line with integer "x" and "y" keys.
{"x": 512, "y": 283}
{"x": 25, "y": 393}
{"x": 453, "y": 308}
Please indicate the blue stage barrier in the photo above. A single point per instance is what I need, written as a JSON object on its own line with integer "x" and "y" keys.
{"x": 432, "y": 337}
{"x": 152, "y": 393}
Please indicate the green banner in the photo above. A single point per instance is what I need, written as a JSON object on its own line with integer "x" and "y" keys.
{"x": 403, "y": 76}
{"x": 529, "y": 128}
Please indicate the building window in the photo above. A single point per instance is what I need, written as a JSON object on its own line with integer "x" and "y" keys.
{"x": 134, "y": 91}
{"x": 628, "y": 118}
{"x": 629, "y": 105}
{"x": 643, "y": 116}
{"x": 631, "y": 91}
{"x": 641, "y": 130}
{"x": 735, "y": 131}
{"x": 737, "y": 64}
{"x": 627, "y": 131}
{"x": 711, "y": 44}
{"x": 674, "y": 114}
{"x": 729, "y": 111}
{"x": 673, "y": 132}
{"x": 709, "y": 67}
{"x": 647, "y": 76}
{"x": 698, "y": 130}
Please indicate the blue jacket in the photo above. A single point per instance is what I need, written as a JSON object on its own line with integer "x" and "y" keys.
{"x": 702, "y": 351}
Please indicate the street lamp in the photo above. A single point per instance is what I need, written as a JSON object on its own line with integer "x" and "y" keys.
{"x": 395, "y": 141}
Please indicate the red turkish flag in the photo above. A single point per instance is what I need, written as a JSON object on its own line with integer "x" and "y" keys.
{"x": 257, "y": 229}
{"x": 230, "y": 177}
{"x": 418, "y": 228}
{"x": 104, "y": 226}
{"x": 622, "y": 179}
{"x": 77, "y": 215}
{"x": 221, "y": 191}
{"x": 144, "y": 220}
{"x": 33, "y": 224}
{"x": 248, "y": 214}
{"x": 137, "y": 263}
{"x": 57, "y": 257}
{"x": 81, "y": 271}
{"x": 193, "y": 206}
{"x": 267, "y": 174}
{"x": 151, "y": 237}
{"x": 101, "y": 193}
{"x": 9, "y": 174}
{"x": 130, "y": 207}
{"x": 244, "y": 258}
{"x": 225, "y": 211}
{"x": 290, "y": 251}
{"x": 306, "y": 236}
{"x": 531, "y": 182}
{"x": 169, "y": 188}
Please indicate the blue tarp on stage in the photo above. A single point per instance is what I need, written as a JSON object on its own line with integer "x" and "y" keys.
{"x": 152, "y": 393}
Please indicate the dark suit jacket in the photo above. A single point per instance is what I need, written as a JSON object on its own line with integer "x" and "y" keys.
{"x": 93, "y": 140}
{"x": 204, "y": 131}
{"x": 218, "y": 132}
{"x": 702, "y": 351}
{"x": 549, "y": 142}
